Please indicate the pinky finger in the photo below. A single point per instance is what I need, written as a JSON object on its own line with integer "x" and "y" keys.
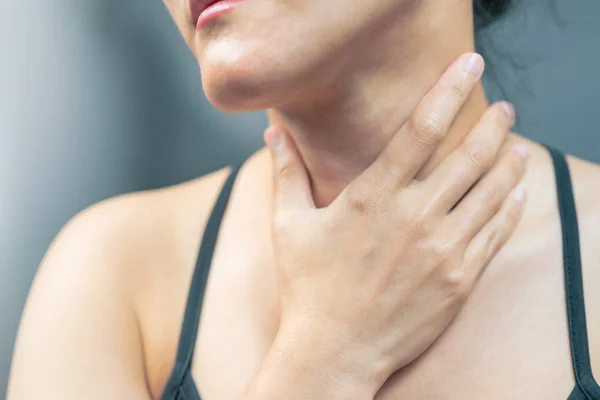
{"x": 493, "y": 236}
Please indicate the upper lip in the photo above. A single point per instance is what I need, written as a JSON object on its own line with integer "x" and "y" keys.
{"x": 197, "y": 6}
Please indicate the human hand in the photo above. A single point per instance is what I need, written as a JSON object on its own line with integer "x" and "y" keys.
{"x": 370, "y": 281}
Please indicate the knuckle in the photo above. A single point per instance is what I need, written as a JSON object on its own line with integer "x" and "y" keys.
{"x": 456, "y": 91}
{"x": 479, "y": 156}
{"x": 393, "y": 169}
{"x": 517, "y": 168}
{"x": 427, "y": 129}
{"x": 494, "y": 240}
{"x": 512, "y": 214}
{"x": 456, "y": 283}
{"x": 358, "y": 199}
{"x": 283, "y": 171}
{"x": 475, "y": 155}
{"x": 490, "y": 194}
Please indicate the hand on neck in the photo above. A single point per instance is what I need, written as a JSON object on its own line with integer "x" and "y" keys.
{"x": 339, "y": 135}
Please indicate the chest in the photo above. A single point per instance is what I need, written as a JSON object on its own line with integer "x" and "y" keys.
{"x": 510, "y": 341}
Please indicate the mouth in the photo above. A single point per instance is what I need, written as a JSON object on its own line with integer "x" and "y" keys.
{"x": 203, "y": 11}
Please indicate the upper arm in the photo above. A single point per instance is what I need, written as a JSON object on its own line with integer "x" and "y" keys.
{"x": 79, "y": 336}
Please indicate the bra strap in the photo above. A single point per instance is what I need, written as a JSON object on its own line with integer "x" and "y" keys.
{"x": 573, "y": 277}
{"x": 191, "y": 319}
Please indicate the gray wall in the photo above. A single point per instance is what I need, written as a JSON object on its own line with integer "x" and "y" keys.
{"x": 99, "y": 98}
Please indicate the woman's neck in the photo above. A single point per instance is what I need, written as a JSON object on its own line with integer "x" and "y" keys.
{"x": 339, "y": 135}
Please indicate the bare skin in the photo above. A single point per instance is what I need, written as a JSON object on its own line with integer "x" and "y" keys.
{"x": 110, "y": 295}
{"x": 481, "y": 355}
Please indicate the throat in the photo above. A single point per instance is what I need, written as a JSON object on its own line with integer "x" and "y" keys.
{"x": 339, "y": 140}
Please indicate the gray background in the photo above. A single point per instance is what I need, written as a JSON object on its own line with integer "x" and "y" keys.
{"x": 102, "y": 97}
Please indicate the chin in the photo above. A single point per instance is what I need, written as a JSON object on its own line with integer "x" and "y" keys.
{"x": 234, "y": 90}
{"x": 238, "y": 76}
{"x": 237, "y": 88}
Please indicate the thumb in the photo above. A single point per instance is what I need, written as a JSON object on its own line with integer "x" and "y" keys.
{"x": 291, "y": 184}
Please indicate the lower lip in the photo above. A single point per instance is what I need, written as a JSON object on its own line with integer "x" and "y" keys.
{"x": 214, "y": 11}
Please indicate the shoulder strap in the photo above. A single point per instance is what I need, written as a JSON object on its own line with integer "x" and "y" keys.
{"x": 573, "y": 277}
{"x": 191, "y": 319}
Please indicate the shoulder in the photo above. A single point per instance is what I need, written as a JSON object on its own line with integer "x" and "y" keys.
{"x": 122, "y": 268}
{"x": 92, "y": 281}
{"x": 134, "y": 234}
{"x": 135, "y": 227}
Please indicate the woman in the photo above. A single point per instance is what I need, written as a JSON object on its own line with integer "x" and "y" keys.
{"x": 377, "y": 239}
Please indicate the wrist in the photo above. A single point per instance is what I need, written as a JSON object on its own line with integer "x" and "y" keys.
{"x": 325, "y": 360}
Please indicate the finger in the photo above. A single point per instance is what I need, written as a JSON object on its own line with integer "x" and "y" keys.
{"x": 291, "y": 184}
{"x": 492, "y": 238}
{"x": 449, "y": 182}
{"x": 488, "y": 195}
{"x": 410, "y": 148}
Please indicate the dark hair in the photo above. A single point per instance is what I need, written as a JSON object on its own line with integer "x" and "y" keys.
{"x": 488, "y": 11}
{"x": 506, "y": 68}
{"x": 485, "y": 14}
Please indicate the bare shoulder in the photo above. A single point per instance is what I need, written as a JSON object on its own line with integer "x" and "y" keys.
{"x": 125, "y": 236}
{"x": 110, "y": 293}
{"x": 80, "y": 334}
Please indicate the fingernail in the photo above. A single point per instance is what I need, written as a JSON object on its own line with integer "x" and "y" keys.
{"x": 509, "y": 109}
{"x": 274, "y": 138}
{"x": 519, "y": 194}
{"x": 522, "y": 150}
{"x": 474, "y": 64}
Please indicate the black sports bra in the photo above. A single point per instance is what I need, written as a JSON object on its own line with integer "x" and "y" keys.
{"x": 181, "y": 386}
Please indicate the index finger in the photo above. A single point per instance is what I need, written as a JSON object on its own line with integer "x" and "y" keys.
{"x": 414, "y": 143}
